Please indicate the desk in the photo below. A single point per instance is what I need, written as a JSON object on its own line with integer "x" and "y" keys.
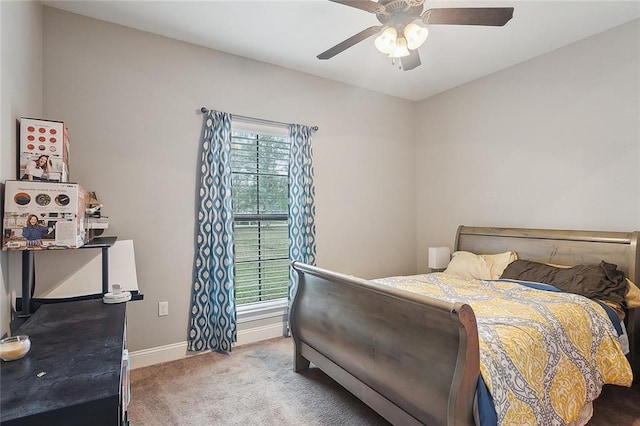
{"x": 79, "y": 346}
{"x": 28, "y": 267}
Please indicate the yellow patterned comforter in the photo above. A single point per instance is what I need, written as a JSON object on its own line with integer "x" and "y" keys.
{"x": 543, "y": 355}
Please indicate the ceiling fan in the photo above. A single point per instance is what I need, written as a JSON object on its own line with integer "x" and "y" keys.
{"x": 403, "y": 26}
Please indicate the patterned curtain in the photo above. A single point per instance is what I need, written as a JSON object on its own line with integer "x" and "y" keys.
{"x": 302, "y": 210}
{"x": 213, "y": 312}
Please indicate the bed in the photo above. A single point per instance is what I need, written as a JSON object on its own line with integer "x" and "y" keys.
{"x": 415, "y": 359}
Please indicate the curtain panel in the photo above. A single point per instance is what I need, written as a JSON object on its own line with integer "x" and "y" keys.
{"x": 213, "y": 311}
{"x": 302, "y": 210}
{"x": 213, "y": 321}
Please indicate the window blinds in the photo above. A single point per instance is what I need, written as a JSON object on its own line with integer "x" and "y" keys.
{"x": 260, "y": 191}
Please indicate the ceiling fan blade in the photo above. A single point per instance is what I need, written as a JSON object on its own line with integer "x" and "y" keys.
{"x": 350, "y": 42}
{"x": 366, "y": 5}
{"x": 490, "y": 16}
{"x": 412, "y": 61}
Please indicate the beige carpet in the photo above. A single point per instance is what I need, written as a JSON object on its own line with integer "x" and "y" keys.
{"x": 256, "y": 385}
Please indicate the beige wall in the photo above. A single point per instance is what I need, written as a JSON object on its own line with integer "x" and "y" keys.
{"x": 130, "y": 98}
{"x": 553, "y": 142}
{"x": 21, "y": 95}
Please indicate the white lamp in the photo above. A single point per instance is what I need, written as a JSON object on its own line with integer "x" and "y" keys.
{"x": 398, "y": 46}
{"x": 386, "y": 41}
{"x": 415, "y": 35}
{"x": 400, "y": 50}
{"x": 439, "y": 258}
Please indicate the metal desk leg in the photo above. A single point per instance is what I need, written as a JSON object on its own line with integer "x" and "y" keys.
{"x": 28, "y": 271}
{"x": 105, "y": 270}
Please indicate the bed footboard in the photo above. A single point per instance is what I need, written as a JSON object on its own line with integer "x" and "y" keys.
{"x": 411, "y": 358}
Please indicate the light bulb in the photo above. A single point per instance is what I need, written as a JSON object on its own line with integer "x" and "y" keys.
{"x": 415, "y": 35}
{"x": 400, "y": 49}
{"x": 386, "y": 41}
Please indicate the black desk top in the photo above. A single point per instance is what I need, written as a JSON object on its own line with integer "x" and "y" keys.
{"x": 79, "y": 347}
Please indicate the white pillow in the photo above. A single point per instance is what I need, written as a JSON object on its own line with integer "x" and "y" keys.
{"x": 479, "y": 266}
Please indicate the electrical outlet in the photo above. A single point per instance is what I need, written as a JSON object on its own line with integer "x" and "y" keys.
{"x": 163, "y": 309}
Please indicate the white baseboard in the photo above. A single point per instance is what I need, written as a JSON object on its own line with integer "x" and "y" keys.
{"x": 257, "y": 334}
{"x": 176, "y": 351}
{"x": 157, "y": 355}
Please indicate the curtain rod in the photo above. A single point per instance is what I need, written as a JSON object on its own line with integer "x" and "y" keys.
{"x": 205, "y": 110}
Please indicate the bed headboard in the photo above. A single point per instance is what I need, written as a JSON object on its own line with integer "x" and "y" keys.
{"x": 555, "y": 246}
{"x": 563, "y": 247}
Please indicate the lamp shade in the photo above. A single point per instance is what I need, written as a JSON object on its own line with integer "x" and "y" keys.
{"x": 386, "y": 41}
{"x": 415, "y": 35}
{"x": 400, "y": 50}
{"x": 439, "y": 257}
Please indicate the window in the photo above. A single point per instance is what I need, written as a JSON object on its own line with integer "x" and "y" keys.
{"x": 260, "y": 188}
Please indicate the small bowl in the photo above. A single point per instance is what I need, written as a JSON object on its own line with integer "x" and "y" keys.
{"x": 15, "y": 347}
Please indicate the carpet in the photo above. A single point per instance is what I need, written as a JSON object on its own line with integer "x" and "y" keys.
{"x": 256, "y": 385}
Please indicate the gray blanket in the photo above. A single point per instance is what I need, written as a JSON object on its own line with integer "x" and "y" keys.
{"x": 603, "y": 281}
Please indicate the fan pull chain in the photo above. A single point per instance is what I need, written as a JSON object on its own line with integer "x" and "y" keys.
{"x": 395, "y": 62}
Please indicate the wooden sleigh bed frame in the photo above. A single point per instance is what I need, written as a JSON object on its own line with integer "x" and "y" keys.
{"x": 414, "y": 359}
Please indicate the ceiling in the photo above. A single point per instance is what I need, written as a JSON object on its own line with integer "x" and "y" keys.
{"x": 291, "y": 33}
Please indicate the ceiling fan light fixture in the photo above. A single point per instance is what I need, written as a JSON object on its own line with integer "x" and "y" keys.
{"x": 386, "y": 40}
{"x": 403, "y": 26}
{"x": 415, "y": 35}
{"x": 400, "y": 50}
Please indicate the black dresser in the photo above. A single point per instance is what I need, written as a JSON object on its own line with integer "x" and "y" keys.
{"x": 73, "y": 374}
